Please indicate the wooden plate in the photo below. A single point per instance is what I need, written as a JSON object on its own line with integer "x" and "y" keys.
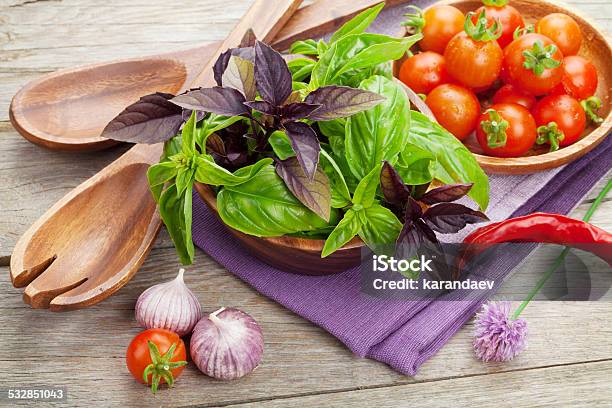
{"x": 596, "y": 48}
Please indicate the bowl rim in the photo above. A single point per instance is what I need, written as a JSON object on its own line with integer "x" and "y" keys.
{"x": 306, "y": 244}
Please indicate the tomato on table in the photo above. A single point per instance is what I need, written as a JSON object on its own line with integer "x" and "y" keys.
{"x": 579, "y": 78}
{"x": 438, "y": 24}
{"x": 456, "y": 108}
{"x": 561, "y": 120}
{"x": 160, "y": 354}
{"x": 534, "y": 64}
{"x": 423, "y": 72}
{"x": 511, "y": 94}
{"x": 563, "y": 31}
{"x": 509, "y": 18}
{"x": 506, "y": 130}
{"x": 473, "y": 57}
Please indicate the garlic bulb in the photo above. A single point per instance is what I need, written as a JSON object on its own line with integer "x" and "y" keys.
{"x": 228, "y": 344}
{"x": 171, "y": 306}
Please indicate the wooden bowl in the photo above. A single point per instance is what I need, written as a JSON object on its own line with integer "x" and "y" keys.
{"x": 596, "y": 47}
{"x": 291, "y": 254}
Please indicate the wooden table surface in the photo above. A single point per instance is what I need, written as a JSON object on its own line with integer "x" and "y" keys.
{"x": 569, "y": 360}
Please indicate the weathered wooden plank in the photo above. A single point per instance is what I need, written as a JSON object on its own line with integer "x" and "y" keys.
{"x": 314, "y": 360}
{"x": 582, "y": 385}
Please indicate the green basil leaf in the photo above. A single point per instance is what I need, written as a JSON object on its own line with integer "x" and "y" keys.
{"x": 172, "y": 147}
{"x": 341, "y": 197}
{"x": 184, "y": 179}
{"x": 214, "y": 123}
{"x": 209, "y": 172}
{"x": 357, "y": 24}
{"x": 176, "y": 212}
{"x": 379, "y": 133}
{"x": 301, "y": 68}
{"x": 158, "y": 175}
{"x": 415, "y": 165}
{"x": 264, "y": 207}
{"x": 379, "y": 229}
{"x": 365, "y": 193}
{"x": 306, "y": 47}
{"x": 281, "y": 145}
{"x": 455, "y": 164}
{"x": 189, "y": 135}
{"x": 347, "y": 229}
{"x": 358, "y": 51}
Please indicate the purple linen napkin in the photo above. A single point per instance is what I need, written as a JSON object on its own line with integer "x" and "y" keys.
{"x": 402, "y": 334}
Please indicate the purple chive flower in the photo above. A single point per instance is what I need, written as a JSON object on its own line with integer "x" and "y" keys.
{"x": 497, "y": 336}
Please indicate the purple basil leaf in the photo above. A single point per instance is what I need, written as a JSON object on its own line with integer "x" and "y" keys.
{"x": 248, "y": 39}
{"x": 153, "y": 119}
{"x": 433, "y": 249}
{"x": 313, "y": 193}
{"x": 305, "y": 145}
{"x": 296, "y": 111}
{"x": 450, "y": 218}
{"x": 392, "y": 186}
{"x": 220, "y": 101}
{"x": 409, "y": 241}
{"x": 187, "y": 114}
{"x": 413, "y": 210}
{"x": 247, "y": 53}
{"x": 446, "y": 194}
{"x": 263, "y": 107}
{"x": 240, "y": 75}
{"x": 221, "y": 65}
{"x": 272, "y": 75}
{"x": 214, "y": 144}
{"x": 341, "y": 101}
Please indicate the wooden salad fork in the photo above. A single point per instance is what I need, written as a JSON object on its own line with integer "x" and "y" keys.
{"x": 50, "y": 110}
{"x": 92, "y": 241}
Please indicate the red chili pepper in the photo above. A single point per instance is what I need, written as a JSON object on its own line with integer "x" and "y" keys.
{"x": 538, "y": 228}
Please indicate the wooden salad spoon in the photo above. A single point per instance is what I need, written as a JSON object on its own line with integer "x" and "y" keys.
{"x": 93, "y": 240}
{"x": 68, "y": 109}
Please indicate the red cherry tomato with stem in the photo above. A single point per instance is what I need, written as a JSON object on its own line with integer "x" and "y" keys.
{"x": 473, "y": 57}
{"x": 159, "y": 355}
{"x": 506, "y": 130}
{"x": 561, "y": 120}
{"x": 456, "y": 108}
{"x": 438, "y": 24}
{"x": 563, "y": 31}
{"x": 423, "y": 72}
{"x": 511, "y": 94}
{"x": 509, "y": 18}
{"x": 534, "y": 64}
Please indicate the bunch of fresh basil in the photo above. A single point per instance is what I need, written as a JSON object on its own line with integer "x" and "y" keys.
{"x": 297, "y": 148}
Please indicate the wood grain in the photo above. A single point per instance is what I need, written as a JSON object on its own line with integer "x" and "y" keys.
{"x": 112, "y": 215}
{"x": 300, "y": 358}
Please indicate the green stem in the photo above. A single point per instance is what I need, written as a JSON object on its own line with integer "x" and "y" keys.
{"x": 563, "y": 255}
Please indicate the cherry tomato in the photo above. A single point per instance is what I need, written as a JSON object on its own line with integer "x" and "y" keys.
{"x": 511, "y": 94}
{"x": 563, "y": 31}
{"x": 508, "y": 16}
{"x": 423, "y": 72}
{"x": 559, "y": 115}
{"x": 506, "y": 130}
{"x": 438, "y": 25}
{"x": 579, "y": 78}
{"x": 533, "y": 50}
{"x": 475, "y": 64}
{"x": 139, "y": 356}
{"x": 456, "y": 108}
